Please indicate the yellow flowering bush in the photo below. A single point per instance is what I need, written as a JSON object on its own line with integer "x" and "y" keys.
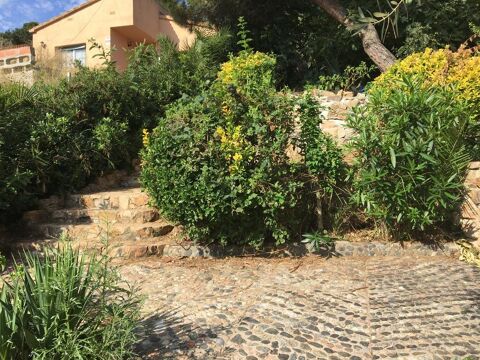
{"x": 249, "y": 72}
{"x": 235, "y": 147}
{"x": 218, "y": 163}
{"x": 442, "y": 67}
{"x": 458, "y": 71}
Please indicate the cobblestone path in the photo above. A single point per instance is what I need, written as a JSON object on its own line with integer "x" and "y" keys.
{"x": 352, "y": 308}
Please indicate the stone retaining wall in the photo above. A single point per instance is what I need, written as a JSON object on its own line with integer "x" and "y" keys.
{"x": 470, "y": 217}
{"x": 336, "y": 107}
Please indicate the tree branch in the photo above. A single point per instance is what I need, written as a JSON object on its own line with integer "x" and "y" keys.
{"x": 378, "y": 53}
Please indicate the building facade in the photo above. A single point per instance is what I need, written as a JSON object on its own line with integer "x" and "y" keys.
{"x": 117, "y": 25}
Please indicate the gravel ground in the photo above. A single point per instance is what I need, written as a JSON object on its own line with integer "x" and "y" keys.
{"x": 308, "y": 308}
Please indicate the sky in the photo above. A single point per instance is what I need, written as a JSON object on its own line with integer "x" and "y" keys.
{"x": 14, "y": 13}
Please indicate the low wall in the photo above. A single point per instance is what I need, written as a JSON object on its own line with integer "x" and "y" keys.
{"x": 470, "y": 216}
{"x": 23, "y": 76}
{"x": 336, "y": 107}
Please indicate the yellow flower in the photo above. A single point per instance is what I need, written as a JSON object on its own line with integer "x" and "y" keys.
{"x": 440, "y": 68}
{"x": 146, "y": 137}
{"x": 237, "y": 157}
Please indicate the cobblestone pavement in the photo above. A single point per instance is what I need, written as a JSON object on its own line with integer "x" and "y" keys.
{"x": 310, "y": 308}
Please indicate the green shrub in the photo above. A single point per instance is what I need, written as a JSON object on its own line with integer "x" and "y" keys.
{"x": 66, "y": 306}
{"x": 218, "y": 164}
{"x": 325, "y": 169}
{"x": 58, "y": 137}
{"x": 55, "y": 139}
{"x": 16, "y": 114}
{"x": 460, "y": 70}
{"x": 411, "y": 158}
{"x": 353, "y": 78}
{"x": 159, "y": 75}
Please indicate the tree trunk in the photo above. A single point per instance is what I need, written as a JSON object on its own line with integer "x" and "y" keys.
{"x": 372, "y": 44}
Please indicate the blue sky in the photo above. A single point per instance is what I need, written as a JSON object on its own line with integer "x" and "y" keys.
{"x": 14, "y": 13}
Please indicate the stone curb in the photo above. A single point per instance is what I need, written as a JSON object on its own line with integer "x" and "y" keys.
{"x": 340, "y": 249}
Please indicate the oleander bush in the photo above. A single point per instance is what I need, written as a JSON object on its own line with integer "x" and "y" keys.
{"x": 411, "y": 154}
{"x": 458, "y": 69}
{"x": 218, "y": 163}
{"x": 65, "y": 305}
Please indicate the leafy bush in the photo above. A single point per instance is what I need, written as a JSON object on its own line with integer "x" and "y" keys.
{"x": 460, "y": 69}
{"x": 218, "y": 163}
{"x": 411, "y": 157}
{"x": 323, "y": 162}
{"x": 353, "y": 78}
{"x": 16, "y": 112}
{"x": 159, "y": 75}
{"x": 66, "y": 306}
{"x": 57, "y": 137}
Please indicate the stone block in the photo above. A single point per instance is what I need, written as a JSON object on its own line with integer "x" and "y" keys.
{"x": 35, "y": 216}
{"x": 474, "y": 165}
{"x": 52, "y": 203}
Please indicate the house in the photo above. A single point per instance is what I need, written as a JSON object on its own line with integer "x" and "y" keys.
{"x": 117, "y": 25}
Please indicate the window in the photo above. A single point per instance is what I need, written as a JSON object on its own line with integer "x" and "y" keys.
{"x": 74, "y": 54}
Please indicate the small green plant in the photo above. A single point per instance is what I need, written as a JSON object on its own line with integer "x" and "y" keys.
{"x": 319, "y": 241}
{"x": 323, "y": 161}
{"x": 353, "y": 78}
{"x": 411, "y": 156}
{"x": 64, "y": 305}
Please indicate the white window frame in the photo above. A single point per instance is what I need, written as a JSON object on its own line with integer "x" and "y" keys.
{"x": 74, "y": 51}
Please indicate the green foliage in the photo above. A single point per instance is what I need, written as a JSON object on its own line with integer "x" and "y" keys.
{"x": 418, "y": 38}
{"x": 57, "y": 137}
{"x": 304, "y": 39}
{"x": 308, "y": 43}
{"x": 3, "y": 262}
{"x": 323, "y": 159}
{"x": 19, "y": 36}
{"x": 411, "y": 158}
{"x": 319, "y": 240}
{"x": 159, "y": 76}
{"x": 353, "y": 78}
{"x": 66, "y": 306}
{"x": 217, "y": 162}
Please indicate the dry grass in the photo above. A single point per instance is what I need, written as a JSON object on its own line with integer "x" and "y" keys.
{"x": 52, "y": 70}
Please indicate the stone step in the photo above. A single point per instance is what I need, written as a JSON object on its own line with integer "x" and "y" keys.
{"x": 97, "y": 232}
{"x": 122, "y": 199}
{"x": 125, "y": 250}
{"x": 100, "y": 216}
{"x": 91, "y": 216}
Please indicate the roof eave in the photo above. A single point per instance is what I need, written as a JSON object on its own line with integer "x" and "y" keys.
{"x": 62, "y": 16}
